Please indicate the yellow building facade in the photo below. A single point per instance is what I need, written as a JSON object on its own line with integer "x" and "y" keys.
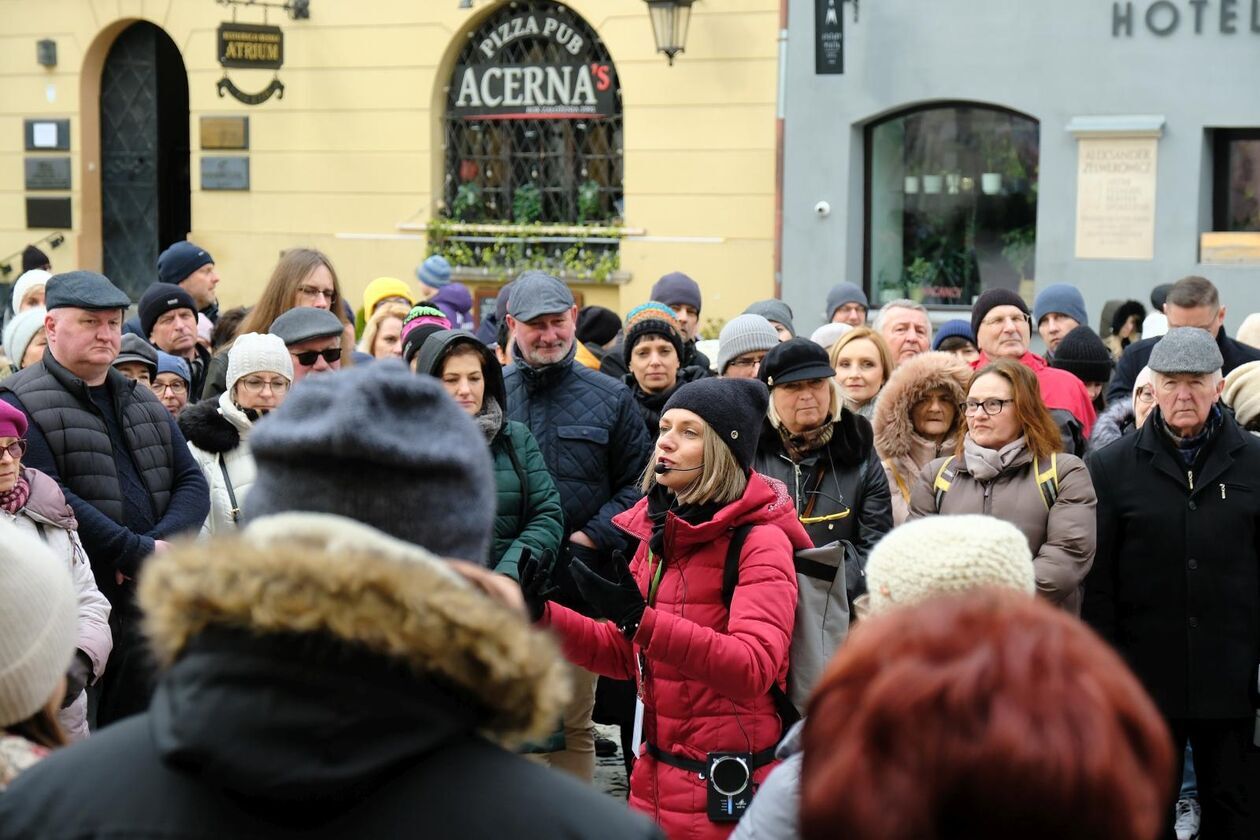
{"x": 354, "y": 158}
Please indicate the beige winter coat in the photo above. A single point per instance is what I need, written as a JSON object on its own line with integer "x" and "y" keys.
{"x": 1062, "y": 539}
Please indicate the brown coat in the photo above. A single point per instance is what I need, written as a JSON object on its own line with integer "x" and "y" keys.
{"x": 1062, "y": 539}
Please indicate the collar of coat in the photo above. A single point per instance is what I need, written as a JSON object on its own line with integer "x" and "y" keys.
{"x": 850, "y": 444}
{"x": 546, "y": 375}
{"x": 323, "y": 574}
{"x": 1228, "y": 439}
{"x": 214, "y": 426}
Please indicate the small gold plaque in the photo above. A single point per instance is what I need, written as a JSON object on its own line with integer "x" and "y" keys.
{"x": 225, "y": 132}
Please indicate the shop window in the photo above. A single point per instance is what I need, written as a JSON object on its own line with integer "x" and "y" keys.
{"x": 533, "y": 130}
{"x": 951, "y": 204}
{"x": 1236, "y": 180}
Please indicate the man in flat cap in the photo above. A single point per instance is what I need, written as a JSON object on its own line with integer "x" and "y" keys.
{"x": 313, "y": 337}
{"x": 119, "y": 457}
{"x": 1175, "y": 585}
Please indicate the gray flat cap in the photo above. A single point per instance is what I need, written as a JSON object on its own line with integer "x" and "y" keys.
{"x": 537, "y": 293}
{"x": 1186, "y": 350}
{"x": 83, "y": 290}
{"x": 136, "y": 349}
{"x": 303, "y": 323}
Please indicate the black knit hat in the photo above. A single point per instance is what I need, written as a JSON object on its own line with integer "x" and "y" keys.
{"x": 794, "y": 360}
{"x": 159, "y": 299}
{"x": 734, "y": 408}
{"x": 990, "y": 300}
{"x": 597, "y": 324}
{"x": 32, "y": 257}
{"x": 1083, "y": 354}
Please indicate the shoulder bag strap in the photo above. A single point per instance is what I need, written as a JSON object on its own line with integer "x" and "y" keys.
{"x": 227, "y": 482}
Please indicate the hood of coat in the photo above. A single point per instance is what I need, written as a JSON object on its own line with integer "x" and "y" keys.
{"x": 766, "y": 501}
{"x": 454, "y": 295}
{"x": 47, "y": 502}
{"x": 895, "y": 437}
{"x": 436, "y": 347}
{"x": 325, "y": 653}
{"x": 205, "y": 426}
{"x": 850, "y": 444}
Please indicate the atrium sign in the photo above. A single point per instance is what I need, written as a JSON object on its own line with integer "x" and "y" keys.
{"x": 1165, "y": 17}
{"x": 250, "y": 46}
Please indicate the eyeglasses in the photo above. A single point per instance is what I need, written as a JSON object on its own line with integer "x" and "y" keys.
{"x": 852, "y": 308}
{"x": 254, "y": 385}
{"x": 990, "y": 406}
{"x": 306, "y": 359}
{"x": 177, "y": 387}
{"x": 1146, "y": 394}
{"x": 316, "y": 292}
{"x": 16, "y": 449}
{"x": 744, "y": 362}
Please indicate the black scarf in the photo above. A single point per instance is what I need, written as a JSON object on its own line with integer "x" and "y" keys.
{"x": 661, "y": 501}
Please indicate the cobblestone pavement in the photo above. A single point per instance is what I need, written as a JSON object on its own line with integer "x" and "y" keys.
{"x": 610, "y": 773}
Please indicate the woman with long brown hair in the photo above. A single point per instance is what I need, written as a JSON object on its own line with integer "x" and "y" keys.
{"x": 303, "y": 277}
{"x": 1009, "y": 465}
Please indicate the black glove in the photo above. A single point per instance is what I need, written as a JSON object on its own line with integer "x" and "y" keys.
{"x": 537, "y": 586}
{"x": 78, "y": 675}
{"x": 618, "y": 600}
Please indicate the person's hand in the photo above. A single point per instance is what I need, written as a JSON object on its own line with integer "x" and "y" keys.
{"x": 498, "y": 588}
{"x": 78, "y": 675}
{"x": 582, "y": 539}
{"x": 160, "y": 545}
{"x": 619, "y": 599}
{"x": 537, "y": 587}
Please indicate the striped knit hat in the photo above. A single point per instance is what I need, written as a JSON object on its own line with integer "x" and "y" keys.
{"x": 651, "y": 318}
{"x": 421, "y": 322}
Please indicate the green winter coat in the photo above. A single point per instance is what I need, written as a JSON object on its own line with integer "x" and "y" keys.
{"x": 528, "y": 512}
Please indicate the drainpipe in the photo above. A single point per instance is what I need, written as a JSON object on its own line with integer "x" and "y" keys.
{"x": 780, "y": 107}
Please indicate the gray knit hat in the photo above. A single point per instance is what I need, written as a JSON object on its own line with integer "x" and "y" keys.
{"x": 1186, "y": 350}
{"x": 20, "y": 332}
{"x": 843, "y": 293}
{"x": 39, "y": 623}
{"x": 382, "y": 446}
{"x": 744, "y": 334}
{"x": 774, "y": 310}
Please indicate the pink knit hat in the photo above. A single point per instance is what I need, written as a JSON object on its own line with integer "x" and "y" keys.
{"x": 12, "y": 421}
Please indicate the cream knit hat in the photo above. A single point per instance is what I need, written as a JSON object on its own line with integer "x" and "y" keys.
{"x": 1242, "y": 392}
{"x": 944, "y": 555}
{"x": 39, "y": 623}
{"x": 258, "y": 353}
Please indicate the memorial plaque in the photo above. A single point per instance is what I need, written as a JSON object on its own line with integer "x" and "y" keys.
{"x": 225, "y": 132}
{"x": 1115, "y": 198}
{"x": 47, "y": 173}
{"x": 48, "y": 212}
{"x": 47, "y": 135}
{"x": 224, "y": 173}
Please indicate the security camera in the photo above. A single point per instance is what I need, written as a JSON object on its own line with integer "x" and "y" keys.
{"x": 822, "y": 209}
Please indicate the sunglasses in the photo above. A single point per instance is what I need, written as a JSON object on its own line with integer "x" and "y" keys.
{"x": 306, "y": 359}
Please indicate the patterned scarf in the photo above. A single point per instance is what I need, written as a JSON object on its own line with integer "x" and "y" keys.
{"x": 1189, "y": 447}
{"x": 799, "y": 445}
{"x": 15, "y": 499}
{"x": 490, "y": 418}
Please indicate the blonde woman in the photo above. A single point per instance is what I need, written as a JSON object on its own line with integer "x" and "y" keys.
{"x": 863, "y": 364}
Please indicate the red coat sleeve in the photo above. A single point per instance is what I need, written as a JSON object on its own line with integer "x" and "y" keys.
{"x": 752, "y": 654}
{"x": 597, "y": 646}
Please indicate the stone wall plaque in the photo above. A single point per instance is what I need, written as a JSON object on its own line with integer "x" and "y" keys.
{"x": 47, "y": 173}
{"x": 47, "y": 135}
{"x": 1115, "y": 198}
{"x": 225, "y": 132}
{"x": 224, "y": 173}
{"x": 48, "y": 212}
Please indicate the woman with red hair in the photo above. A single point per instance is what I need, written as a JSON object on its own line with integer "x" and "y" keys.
{"x": 987, "y": 716}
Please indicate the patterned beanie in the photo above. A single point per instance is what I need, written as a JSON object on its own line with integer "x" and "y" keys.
{"x": 651, "y": 318}
{"x": 421, "y": 322}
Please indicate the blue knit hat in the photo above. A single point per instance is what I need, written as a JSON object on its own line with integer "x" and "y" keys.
{"x": 1061, "y": 298}
{"x": 180, "y": 260}
{"x": 957, "y": 327}
{"x": 434, "y": 272}
{"x": 166, "y": 363}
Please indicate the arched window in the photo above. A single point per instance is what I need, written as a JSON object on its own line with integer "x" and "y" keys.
{"x": 951, "y": 204}
{"x": 533, "y": 121}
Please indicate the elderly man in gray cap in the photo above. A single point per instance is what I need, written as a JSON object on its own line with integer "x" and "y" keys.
{"x": 313, "y": 337}
{"x": 1175, "y": 585}
{"x": 594, "y": 444}
{"x": 120, "y": 459}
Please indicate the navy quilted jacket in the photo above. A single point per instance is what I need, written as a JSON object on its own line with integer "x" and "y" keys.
{"x": 592, "y": 439}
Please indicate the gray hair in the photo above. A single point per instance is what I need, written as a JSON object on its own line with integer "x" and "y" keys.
{"x": 902, "y": 303}
{"x": 1192, "y": 292}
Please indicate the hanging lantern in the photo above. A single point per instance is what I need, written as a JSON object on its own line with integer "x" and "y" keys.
{"x": 670, "y": 19}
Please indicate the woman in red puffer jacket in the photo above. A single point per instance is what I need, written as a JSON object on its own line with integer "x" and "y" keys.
{"x": 705, "y": 670}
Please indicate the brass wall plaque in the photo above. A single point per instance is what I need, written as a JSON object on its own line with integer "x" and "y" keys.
{"x": 225, "y": 132}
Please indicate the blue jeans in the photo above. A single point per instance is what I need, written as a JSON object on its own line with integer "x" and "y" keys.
{"x": 1189, "y": 782}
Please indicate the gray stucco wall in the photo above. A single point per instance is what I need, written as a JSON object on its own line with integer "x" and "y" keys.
{"x": 1052, "y": 61}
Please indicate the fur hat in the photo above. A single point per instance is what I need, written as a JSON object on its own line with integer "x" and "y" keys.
{"x": 381, "y": 446}
{"x": 651, "y": 318}
{"x": 944, "y": 555}
{"x": 734, "y": 408}
{"x": 257, "y": 353}
{"x": 1242, "y": 392}
{"x": 39, "y": 623}
{"x": 910, "y": 382}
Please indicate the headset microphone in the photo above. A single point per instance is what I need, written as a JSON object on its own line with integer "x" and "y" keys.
{"x": 661, "y": 469}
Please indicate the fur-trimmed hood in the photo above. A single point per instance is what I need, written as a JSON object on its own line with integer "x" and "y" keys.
{"x": 318, "y": 576}
{"x": 209, "y": 425}
{"x": 895, "y": 438}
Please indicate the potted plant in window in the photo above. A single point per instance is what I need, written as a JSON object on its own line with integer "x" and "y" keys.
{"x": 991, "y": 147}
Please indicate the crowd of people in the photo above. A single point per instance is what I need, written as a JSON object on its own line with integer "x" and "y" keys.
{"x": 307, "y": 566}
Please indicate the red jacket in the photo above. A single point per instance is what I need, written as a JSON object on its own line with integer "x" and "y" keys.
{"x": 709, "y": 670}
{"x": 1059, "y": 389}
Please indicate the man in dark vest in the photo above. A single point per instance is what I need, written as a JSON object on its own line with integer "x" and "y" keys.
{"x": 119, "y": 457}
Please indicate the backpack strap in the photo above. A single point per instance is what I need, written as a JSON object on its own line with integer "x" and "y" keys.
{"x": 1048, "y": 481}
{"x": 227, "y": 482}
{"x": 943, "y": 478}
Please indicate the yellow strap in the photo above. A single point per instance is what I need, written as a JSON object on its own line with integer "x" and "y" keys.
{"x": 901, "y": 483}
{"x": 940, "y": 483}
{"x": 1049, "y": 476}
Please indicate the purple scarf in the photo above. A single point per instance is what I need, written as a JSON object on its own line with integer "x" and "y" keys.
{"x": 15, "y": 499}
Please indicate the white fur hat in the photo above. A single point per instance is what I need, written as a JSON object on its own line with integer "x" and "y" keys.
{"x": 39, "y": 623}
{"x": 945, "y": 555}
{"x": 257, "y": 353}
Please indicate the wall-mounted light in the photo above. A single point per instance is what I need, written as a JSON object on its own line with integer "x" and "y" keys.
{"x": 465, "y": 4}
{"x": 46, "y": 52}
{"x": 670, "y": 19}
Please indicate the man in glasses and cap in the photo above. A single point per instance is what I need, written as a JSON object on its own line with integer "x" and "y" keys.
{"x": 121, "y": 461}
{"x": 313, "y": 337}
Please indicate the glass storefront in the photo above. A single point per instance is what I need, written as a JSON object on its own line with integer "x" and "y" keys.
{"x": 951, "y": 204}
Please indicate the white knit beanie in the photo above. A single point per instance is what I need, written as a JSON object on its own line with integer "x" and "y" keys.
{"x": 28, "y": 280}
{"x": 744, "y": 334}
{"x": 258, "y": 353}
{"x": 1242, "y": 392}
{"x": 39, "y": 624}
{"x": 21, "y": 331}
{"x": 943, "y": 555}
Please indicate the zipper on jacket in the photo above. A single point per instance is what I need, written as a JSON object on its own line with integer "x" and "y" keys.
{"x": 1190, "y": 478}
{"x": 988, "y": 498}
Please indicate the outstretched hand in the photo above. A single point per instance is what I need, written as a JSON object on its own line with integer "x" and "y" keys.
{"x": 536, "y": 584}
{"x": 617, "y": 599}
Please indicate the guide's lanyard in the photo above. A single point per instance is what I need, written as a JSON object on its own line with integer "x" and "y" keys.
{"x": 656, "y": 570}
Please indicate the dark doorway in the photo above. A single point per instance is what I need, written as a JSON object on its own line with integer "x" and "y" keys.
{"x": 145, "y": 190}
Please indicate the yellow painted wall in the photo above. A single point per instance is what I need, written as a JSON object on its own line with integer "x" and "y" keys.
{"x": 353, "y": 148}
